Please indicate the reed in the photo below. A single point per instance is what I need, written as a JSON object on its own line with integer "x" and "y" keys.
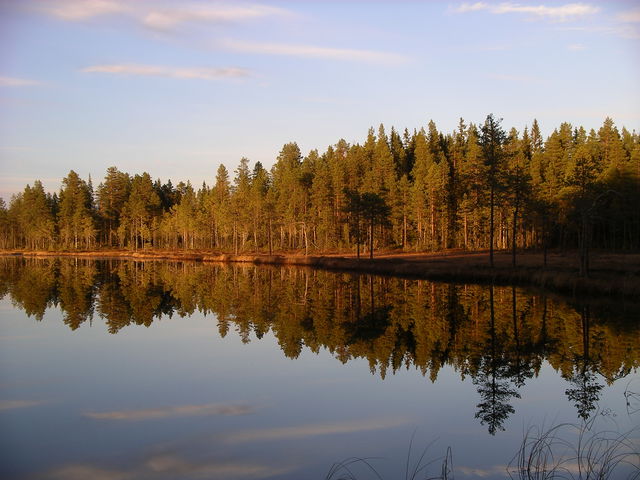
{"x": 562, "y": 452}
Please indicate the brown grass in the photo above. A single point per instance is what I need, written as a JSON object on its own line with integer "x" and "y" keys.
{"x": 611, "y": 273}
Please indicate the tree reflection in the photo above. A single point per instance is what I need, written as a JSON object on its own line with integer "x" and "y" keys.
{"x": 499, "y": 336}
{"x": 585, "y": 389}
{"x": 493, "y": 379}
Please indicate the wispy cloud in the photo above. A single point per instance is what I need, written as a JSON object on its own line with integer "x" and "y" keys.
{"x": 312, "y": 51}
{"x": 303, "y": 431}
{"x": 631, "y": 32}
{"x": 560, "y": 13}
{"x": 78, "y": 10}
{"x": 471, "y": 7}
{"x": 17, "y": 82}
{"x": 169, "y": 412}
{"x": 630, "y": 16}
{"x": 151, "y": 16}
{"x": 171, "y": 72}
{"x": 13, "y": 404}
{"x": 169, "y": 19}
{"x": 576, "y": 47}
{"x": 513, "y": 78}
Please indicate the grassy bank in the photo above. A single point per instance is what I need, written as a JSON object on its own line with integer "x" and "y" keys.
{"x": 611, "y": 274}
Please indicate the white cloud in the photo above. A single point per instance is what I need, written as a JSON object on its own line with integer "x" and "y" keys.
{"x": 575, "y": 47}
{"x": 631, "y": 32}
{"x": 312, "y": 51}
{"x": 150, "y": 16}
{"x": 168, "y": 19}
{"x": 78, "y": 10}
{"x": 17, "y": 82}
{"x": 471, "y": 7}
{"x": 170, "y": 412}
{"x": 171, "y": 72}
{"x": 560, "y": 13}
{"x": 631, "y": 16}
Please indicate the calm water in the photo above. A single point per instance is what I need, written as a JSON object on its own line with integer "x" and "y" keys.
{"x": 142, "y": 370}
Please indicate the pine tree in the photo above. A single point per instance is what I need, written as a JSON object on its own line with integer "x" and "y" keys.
{"x": 5, "y": 226}
{"x": 31, "y": 213}
{"x": 517, "y": 183}
{"x": 289, "y": 193}
{"x": 185, "y": 214}
{"x": 75, "y": 217}
{"x": 219, "y": 207}
{"x": 472, "y": 197}
{"x": 240, "y": 205}
{"x": 580, "y": 189}
{"x": 260, "y": 184}
{"x": 420, "y": 195}
{"x": 140, "y": 213}
{"x": 111, "y": 196}
{"x": 492, "y": 139}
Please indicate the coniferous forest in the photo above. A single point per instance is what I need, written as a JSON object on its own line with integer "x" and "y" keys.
{"x": 478, "y": 187}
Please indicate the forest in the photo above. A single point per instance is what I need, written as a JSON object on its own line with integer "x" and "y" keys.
{"x": 478, "y": 187}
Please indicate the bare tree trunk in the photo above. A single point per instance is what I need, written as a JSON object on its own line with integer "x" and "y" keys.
{"x": 235, "y": 238}
{"x": 466, "y": 232}
{"x": 491, "y": 227}
{"x": 371, "y": 238}
{"x": 433, "y": 226}
{"x": 404, "y": 230}
{"x": 514, "y": 232}
{"x": 306, "y": 239}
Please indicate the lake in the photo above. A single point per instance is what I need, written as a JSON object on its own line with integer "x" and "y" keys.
{"x": 162, "y": 370}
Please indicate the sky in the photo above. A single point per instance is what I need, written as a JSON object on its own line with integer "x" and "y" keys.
{"x": 176, "y": 88}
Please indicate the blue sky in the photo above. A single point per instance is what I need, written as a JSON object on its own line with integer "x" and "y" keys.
{"x": 176, "y": 87}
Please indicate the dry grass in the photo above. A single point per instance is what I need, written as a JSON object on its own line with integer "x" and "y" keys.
{"x": 611, "y": 273}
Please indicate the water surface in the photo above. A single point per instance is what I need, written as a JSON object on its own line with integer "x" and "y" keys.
{"x": 157, "y": 370}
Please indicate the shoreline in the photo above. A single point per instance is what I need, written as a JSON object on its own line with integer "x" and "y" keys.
{"x": 612, "y": 274}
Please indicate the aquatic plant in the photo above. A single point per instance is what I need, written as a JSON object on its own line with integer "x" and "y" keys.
{"x": 562, "y": 452}
{"x": 550, "y": 454}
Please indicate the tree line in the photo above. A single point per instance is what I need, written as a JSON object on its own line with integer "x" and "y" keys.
{"x": 500, "y": 337}
{"x": 478, "y": 187}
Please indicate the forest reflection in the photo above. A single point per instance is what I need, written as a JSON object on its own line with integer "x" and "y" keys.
{"x": 498, "y": 336}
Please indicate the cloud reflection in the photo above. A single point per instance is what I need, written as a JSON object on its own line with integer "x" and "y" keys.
{"x": 168, "y": 467}
{"x": 170, "y": 412}
{"x": 303, "y": 431}
{"x": 481, "y": 472}
{"x": 178, "y": 467}
{"x": 82, "y": 472}
{"x": 13, "y": 404}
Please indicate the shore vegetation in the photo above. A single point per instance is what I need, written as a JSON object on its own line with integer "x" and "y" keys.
{"x": 479, "y": 188}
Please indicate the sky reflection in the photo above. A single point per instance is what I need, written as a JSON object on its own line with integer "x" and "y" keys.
{"x": 176, "y": 398}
